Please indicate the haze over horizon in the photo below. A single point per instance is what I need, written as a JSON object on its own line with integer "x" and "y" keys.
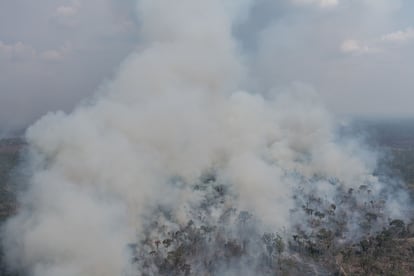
{"x": 207, "y": 148}
{"x": 355, "y": 54}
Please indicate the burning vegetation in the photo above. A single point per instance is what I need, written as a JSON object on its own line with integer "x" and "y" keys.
{"x": 223, "y": 239}
{"x": 175, "y": 168}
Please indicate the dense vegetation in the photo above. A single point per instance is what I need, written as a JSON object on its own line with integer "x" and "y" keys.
{"x": 9, "y": 158}
{"x": 395, "y": 139}
{"x": 231, "y": 241}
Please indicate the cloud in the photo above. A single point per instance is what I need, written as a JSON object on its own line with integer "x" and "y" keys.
{"x": 377, "y": 45}
{"x": 357, "y": 47}
{"x": 399, "y": 36}
{"x": 20, "y": 51}
{"x": 68, "y": 10}
{"x": 320, "y": 3}
{"x": 66, "y": 15}
{"x": 55, "y": 54}
{"x": 66, "y": 55}
{"x": 52, "y": 55}
{"x": 16, "y": 51}
{"x": 307, "y": 38}
{"x": 339, "y": 52}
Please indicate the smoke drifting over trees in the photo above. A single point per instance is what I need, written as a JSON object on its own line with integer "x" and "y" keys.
{"x": 175, "y": 166}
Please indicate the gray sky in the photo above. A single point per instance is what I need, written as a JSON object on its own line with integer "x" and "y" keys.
{"x": 357, "y": 54}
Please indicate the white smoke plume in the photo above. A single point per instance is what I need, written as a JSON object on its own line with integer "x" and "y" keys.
{"x": 176, "y": 111}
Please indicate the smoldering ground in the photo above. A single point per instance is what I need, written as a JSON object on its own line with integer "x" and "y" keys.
{"x": 173, "y": 167}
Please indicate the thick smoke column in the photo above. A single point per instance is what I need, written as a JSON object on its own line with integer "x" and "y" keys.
{"x": 175, "y": 112}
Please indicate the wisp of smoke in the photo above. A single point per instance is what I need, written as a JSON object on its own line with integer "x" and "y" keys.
{"x": 174, "y": 148}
